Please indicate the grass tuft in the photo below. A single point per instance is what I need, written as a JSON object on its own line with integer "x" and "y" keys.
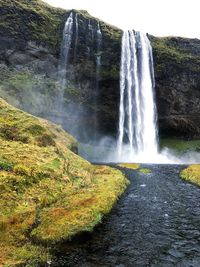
{"x": 145, "y": 170}
{"x": 133, "y": 166}
{"x": 191, "y": 174}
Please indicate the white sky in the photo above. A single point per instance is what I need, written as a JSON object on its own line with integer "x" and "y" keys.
{"x": 157, "y": 17}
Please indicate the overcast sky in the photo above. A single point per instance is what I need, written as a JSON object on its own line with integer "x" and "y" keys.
{"x": 157, "y": 17}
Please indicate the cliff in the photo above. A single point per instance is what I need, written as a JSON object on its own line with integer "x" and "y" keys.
{"x": 177, "y": 69}
{"x": 31, "y": 34}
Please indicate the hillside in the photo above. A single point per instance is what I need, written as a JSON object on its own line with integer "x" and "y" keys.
{"x": 48, "y": 193}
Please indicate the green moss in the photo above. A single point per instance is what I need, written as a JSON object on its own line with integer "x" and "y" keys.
{"x": 191, "y": 174}
{"x": 170, "y": 57}
{"x": 5, "y": 166}
{"x": 180, "y": 145}
{"x": 36, "y": 129}
{"x": 133, "y": 166}
{"x": 145, "y": 170}
{"x": 32, "y": 20}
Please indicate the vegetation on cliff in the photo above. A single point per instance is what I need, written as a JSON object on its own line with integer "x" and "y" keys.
{"x": 175, "y": 54}
{"x": 177, "y": 68}
{"x": 32, "y": 20}
{"x": 30, "y": 38}
{"x": 191, "y": 174}
{"x": 48, "y": 193}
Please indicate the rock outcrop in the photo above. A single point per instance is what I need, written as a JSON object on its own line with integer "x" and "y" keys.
{"x": 31, "y": 34}
{"x": 177, "y": 75}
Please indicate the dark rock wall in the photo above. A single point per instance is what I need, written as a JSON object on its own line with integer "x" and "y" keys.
{"x": 177, "y": 74}
{"x": 31, "y": 35}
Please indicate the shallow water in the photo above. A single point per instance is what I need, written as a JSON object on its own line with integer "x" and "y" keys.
{"x": 156, "y": 223}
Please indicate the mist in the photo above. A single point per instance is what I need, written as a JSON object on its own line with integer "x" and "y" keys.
{"x": 105, "y": 151}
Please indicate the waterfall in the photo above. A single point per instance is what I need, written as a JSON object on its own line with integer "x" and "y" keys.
{"x": 90, "y": 40}
{"x": 98, "y": 56}
{"x": 76, "y": 37}
{"x": 137, "y": 132}
{"x": 98, "y": 73}
{"x": 63, "y": 61}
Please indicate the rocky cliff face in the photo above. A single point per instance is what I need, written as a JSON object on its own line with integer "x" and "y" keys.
{"x": 177, "y": 69}
{"x": 31, "y": 34}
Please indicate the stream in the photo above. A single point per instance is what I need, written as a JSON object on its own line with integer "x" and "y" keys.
{"x": 155, "y": 223}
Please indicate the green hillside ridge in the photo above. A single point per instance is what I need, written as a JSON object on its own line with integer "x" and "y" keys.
{"x": 48, "y": 193}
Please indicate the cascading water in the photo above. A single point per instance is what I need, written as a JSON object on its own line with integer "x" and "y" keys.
{"x": 98, "y": 57}
{"x": 63, "y": 61}
{"x": 98, "y": 72}
{"x": 90, "y": 40}
{"x": 76, "y": 37}
{"x": 137, "y": 137}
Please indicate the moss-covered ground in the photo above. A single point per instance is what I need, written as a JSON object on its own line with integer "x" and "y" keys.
{"x": 145, "y": 170}
{"x": 133, "y": 166}
{"x": 180, "y": 145}
{"x": 48, "y": 193}
{"x": 191, "y": 174}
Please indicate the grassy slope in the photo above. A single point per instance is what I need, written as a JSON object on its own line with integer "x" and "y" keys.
{"x": 192, "y": 174}
{"x": 48, "y": 193}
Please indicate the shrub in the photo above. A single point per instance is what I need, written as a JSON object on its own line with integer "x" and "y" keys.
{"x": 11, "y": 133}
{"x": 5, "y": 166}
{"x": 45, "y": 140}
{"x": 36, "y": 129}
